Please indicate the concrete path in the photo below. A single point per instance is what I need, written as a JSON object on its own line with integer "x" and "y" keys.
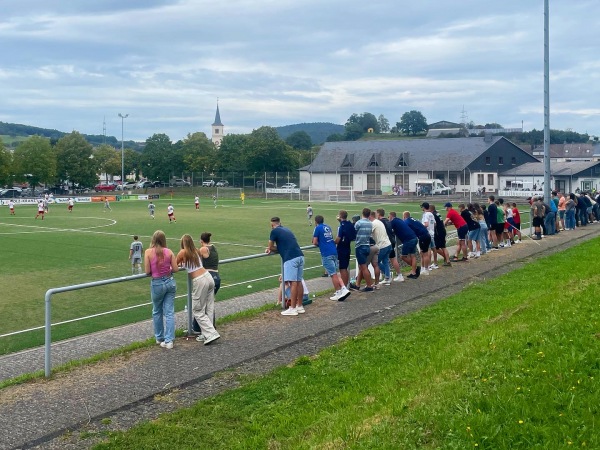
{"x": 76, "y": 409}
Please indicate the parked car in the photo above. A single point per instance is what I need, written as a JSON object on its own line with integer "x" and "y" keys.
{"x": 146, "y": 184}
{"x": 223, "y": 183}
{"x": 288, "y": 186}
{"x": 10, "y": 193}
{"x": 180, "y": 182}
{"x": 208, "y": 183}
{"x": 105, "y": 187}
{"x": 127, "y": 186}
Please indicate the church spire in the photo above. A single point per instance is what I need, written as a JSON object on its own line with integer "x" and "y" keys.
{"x": 217, "y": 128}
{"x": 217, "y": 117}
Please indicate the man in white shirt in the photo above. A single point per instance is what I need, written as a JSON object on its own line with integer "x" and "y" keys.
{"x": 379, "y": 235}
{"x": 429, "y": 221}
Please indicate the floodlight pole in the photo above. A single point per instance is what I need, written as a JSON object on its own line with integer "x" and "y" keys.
{"x": 123, "y": 117}
{"x": 547, "y": 187}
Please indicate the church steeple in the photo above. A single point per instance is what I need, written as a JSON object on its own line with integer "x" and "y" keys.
{"x": 217, "y": 128}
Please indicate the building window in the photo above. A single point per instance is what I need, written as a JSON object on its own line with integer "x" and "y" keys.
{"x": 403, "y": 160}
{"x": 488, "y": 160}
{"x": 500, "y": 160}
{"x": 348, "y": 161}
{"x": 216, "y": 131}
{"x": 401, "y": 180}
{"x": 480, "y": 178}
{"x": 513, "y": 160}
{"x": 374, "y": 161}
{"x": 346, "y": 180}
{"x": 490, "y": 179}
{"x": 453, "y": 179}
{"x": 467, "y": 178}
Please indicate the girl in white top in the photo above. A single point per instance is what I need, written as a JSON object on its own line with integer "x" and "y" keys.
{"x": 203, "y": 289}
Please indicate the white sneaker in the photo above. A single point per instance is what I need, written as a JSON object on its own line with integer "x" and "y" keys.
{"x": 167, "y": 345}
{"x": 508, "y": 244}
{"x": 387, "y": 281}
{"x": 477, "y": 254}
{"x": 517, "y": 241}
{"x": 344, "y": 293}
{"x": 424, "y": 271}
{"x": 399, "y": 278}
{"x": 336, "y": 296}
{"x": 211, "y": 338}
{"x": 434, "y": 266}
{"x": 471, "y": 255}
{"x": 289, "y": 312}
{"x": 376, "y": 286}
{"x": 300, "y": 309}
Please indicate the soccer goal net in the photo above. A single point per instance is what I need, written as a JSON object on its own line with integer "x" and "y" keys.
{"x": 343, "y": 194}
{"x": 228, "y": 192}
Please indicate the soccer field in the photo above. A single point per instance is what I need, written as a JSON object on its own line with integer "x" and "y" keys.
{"x": 90, "y": 244}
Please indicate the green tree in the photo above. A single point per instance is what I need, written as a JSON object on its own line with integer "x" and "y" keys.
{"x": 108, "y": 160}
{"x": 412, "y": 122}
{"x": 384, "y": 124}
{"x": 335, "y": 137}
{"x": 364, "y": 121}
{"x": 300, "y": 140}
{"x": 6, "y": 171}
{"x": 157, "y": 158}
{"x": 35, "y": 160}
{"x": 232, "y": 154}
{"x": 75, "y": 163}
{"x": 132, "y": 162}
{"x": 268, "y": 152}
{"x": 353, "y": 132}
{"x": 199, "y": 153}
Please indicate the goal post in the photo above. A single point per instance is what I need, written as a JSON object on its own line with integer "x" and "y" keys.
{"x": 229, "y": 192}
{"x": 343, "y": 194}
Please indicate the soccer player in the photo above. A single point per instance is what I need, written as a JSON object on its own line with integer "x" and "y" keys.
{"x": 197, "y": 202}
{"x": 135, "y": 255}
{"x": 309, "y": 214}
{"x": 70, "y": 207}
{"x": 11, "y": 206}
{"x": 171, "y": 213}
{"x": 107, "y": 204}
{"x": 151, "y": 209}
{"x": 41, "y": 209}
{"x": 243, "y": 197}
{"x": 215, "y": 200}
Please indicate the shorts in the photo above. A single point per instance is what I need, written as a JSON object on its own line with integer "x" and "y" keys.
{"x": 393, "y": 252}
{"x": 561, "y": 214}
{"x": 373, "y": 254}
{"x": 424, "y": 243}
{"x": 462, "y": 232}
{"x": 330, "y": 264}
{"x": 293, "y": 270}
{"x": 474, "y": 234}
{"x": 409, "y": 247}
{"x": 362, "y": 254}
{"x": 432, "y": 243}
{"x": 343, "y": 260}
{"x": 440, "y": 241}
{"x": 136, "y": 261}
{"x": 537, "y": 221}
{"x": 499, "y": 228}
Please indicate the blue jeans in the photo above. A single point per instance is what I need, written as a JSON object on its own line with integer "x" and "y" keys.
{"x": 570, "y": 219}
{"x": 484, "y": 241}
{"x": 162, "y": 291}
{"x": 384, "y": 260}
{"x": 550, "y": 222}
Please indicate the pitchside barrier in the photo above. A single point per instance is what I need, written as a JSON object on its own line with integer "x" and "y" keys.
{"x": 75, "y": 287}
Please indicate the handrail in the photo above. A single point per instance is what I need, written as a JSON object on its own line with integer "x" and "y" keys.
{"x": 52, "y": 291}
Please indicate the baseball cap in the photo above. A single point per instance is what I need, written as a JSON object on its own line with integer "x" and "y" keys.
{"x": 425, "y": 205}
{"x": 448, "y": 205}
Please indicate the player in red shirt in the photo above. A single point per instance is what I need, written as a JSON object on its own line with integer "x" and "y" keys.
{"x": 452, "y": 216}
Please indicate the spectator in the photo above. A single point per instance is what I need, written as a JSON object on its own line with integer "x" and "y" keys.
{"x": 453, "y": 217}
{"x": 323, "y": 238}
{"x": 409, "y": 240}
{"x": 345, "y": 235}
{"x": 363, "y": 229}
{"x": 393, "y": 261}
{"x": 423, "y": 238}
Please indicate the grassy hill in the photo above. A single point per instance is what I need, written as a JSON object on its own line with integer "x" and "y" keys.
{"x": 318, "y": 131}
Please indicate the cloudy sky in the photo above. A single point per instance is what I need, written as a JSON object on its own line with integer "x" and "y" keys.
{"x": 70, "y": 65}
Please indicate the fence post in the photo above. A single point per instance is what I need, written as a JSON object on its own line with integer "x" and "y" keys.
{"x": 190, "y": 315}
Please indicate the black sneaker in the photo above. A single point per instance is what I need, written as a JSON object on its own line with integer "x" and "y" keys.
{"x": 354, "y": 287}
{"x": 418, "y": 271}
{"x": 412, "y": 276}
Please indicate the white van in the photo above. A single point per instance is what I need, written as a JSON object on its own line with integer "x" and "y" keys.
{"x": 432, "y": 187}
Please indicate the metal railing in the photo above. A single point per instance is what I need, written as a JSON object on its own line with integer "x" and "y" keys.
{"x": 75, "y": 287}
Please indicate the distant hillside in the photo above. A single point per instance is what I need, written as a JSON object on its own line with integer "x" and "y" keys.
{"x": 13, "y": 133}
{"x": 318, "y": 131}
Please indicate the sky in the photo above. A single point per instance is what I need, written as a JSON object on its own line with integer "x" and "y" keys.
{"x": 75, "y": 65}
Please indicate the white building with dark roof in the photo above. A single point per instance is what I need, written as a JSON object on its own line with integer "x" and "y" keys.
{"x": 383, "y": 166}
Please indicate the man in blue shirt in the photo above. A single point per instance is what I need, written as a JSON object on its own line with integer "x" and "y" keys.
{"x": 363, "y": 247}
{"x": 424, "y": 239}
{"x": 323, "y": 238}
{"x": 408, "y": 238}
{"x": 283, "y": 241}
{"x": 345, "y": 235}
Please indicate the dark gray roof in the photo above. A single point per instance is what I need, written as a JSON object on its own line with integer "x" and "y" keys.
{"x": 556, "y": 168}
{"x": 444, "y": 154}
{"x": 217, "y": 118}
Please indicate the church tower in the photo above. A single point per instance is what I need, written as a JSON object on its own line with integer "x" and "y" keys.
{"x": 217, "y": 128}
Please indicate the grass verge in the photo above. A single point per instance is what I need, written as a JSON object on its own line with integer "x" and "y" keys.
{"x": 512, "y": 363}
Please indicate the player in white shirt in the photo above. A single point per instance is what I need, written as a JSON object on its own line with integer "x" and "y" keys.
{"x": 11, "y": 206}
{"x": 71, "y": 203}
{"x": 197, "y": 202}
{"x": 171, "y": 213}
{"x": 151, "y": 209}
{"x": 41, "y": 209}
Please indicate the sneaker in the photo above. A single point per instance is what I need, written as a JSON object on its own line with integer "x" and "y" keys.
{"x": 434, "y": 266}
{"x": 508, "y": 244}
{"x": 424, "y": 272}
{"x": 289, "y": 312}
{"x": 300, "y": 309}
{"x": 368, "y": 289}
{"x": 494, "y": 249}
{"x": 336, "y": 296}
{"x": 499, "y": 246}
{"x": 418, "y": 271}
{"x": 412, "y": 276}
{"x": 167, "y": 345}
{"x": 211, "y": 338}
{"x": 399, "y": 278}
{"x": 447, "y": 264}
{"x": 159, "y": 342}
{"x": 200, "y": 338}
{"x": 376, "y": 286}
{"x": 387, "y": 281}
{"x": 354, "y": 287}
{"x": 344, "y": 294}
{"x": 477, "y": 254}
{"x": 471, "y": 255}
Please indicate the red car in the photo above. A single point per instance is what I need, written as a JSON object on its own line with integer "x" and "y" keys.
{"x": 105, "y": 187}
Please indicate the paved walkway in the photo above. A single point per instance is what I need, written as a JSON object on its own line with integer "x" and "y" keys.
{"x": 73, "y": 410}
